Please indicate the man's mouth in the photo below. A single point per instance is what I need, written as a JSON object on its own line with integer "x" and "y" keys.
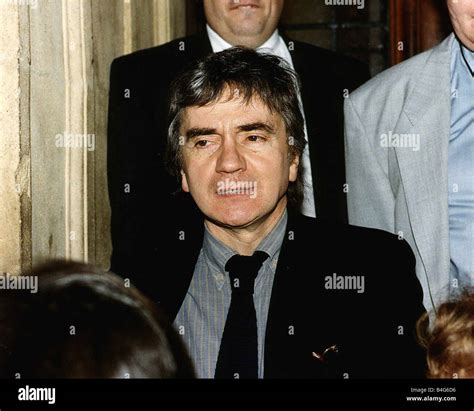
{"x": 244, "y": 5}
{"x": 236, "y": 188}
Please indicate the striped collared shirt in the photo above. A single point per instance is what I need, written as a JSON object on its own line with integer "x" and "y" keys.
{"x": 202, "y": 316}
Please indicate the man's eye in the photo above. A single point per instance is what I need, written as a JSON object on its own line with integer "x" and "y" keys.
{"x": 201, "y": 143}
{"x": 255, "y": 138}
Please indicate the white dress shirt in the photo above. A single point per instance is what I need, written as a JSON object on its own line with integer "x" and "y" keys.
{"x": 275, "y": 45}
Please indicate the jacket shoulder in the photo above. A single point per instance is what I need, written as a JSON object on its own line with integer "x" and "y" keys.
{"x": 352, "y": 239}
{"x": 334, "y": 67}
{"x": 325, "y": 56}
{"x": 161, "y": 52}
{"x": 393, "y": 80}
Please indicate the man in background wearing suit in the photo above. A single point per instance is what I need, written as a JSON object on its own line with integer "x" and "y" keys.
{"x": 256, "y": 289}
{"x": 410, "y": 157}
{"x": 139, "y": 86}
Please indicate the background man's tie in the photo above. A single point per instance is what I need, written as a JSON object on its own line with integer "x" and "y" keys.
{"x": 238, "y": 355}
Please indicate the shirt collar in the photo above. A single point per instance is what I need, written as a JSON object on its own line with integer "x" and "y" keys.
{"x": 271, "y": 244}
{"x": 462, "y": 59}
{"x": 272, "y": 43}
{"x": 218, "y": 44}
{"x": 217, "y": 253}
{"x": 469, "y": 56}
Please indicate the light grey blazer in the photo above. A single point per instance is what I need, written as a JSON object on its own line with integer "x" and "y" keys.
{"x": 392, "y": 185}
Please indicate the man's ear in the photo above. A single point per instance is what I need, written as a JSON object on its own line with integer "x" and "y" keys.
{"x": 293, "y": 173}
{"x": 184, "y": 182}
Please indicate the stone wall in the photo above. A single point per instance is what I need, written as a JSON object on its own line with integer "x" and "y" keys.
{"x": 55, "y": 57}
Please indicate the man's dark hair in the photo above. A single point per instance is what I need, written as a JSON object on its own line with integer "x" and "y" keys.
{"x": 84, "y": 323}
{"x": 253, "y": 74}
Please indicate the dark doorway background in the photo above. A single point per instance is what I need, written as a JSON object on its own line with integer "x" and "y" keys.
{"x": 372, "y": 34}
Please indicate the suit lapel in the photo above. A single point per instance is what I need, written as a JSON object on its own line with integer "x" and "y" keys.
{"x": 424, "y": 173}
{"x": 197, "y": 46}
{"x": 290, "y": 339}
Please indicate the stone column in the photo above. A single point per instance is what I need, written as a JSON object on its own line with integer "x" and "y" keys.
{"x": 15, "y": 184}
{"x": 55, "y": 57}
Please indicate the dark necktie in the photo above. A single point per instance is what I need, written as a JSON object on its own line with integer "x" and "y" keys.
{"x": 238, "y": 355}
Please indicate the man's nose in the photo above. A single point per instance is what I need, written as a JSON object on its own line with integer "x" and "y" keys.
{"x": 230, "y": 159}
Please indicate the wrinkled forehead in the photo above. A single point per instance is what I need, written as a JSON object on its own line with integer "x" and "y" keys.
{"x": 232, "y": 105}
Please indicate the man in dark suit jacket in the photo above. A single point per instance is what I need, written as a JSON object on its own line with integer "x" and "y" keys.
{"x": 137, "y": 127}
{"x": 328, "y": 300}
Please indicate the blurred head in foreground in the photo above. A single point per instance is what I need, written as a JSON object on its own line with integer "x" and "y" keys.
{"x": 449, "y": 342}
{"x": 83, "y": 323}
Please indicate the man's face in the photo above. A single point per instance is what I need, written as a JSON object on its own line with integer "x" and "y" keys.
{"x": 236, "y": 161}
{"x": 243, "y": 22}
{"x": 462, "y": 17}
